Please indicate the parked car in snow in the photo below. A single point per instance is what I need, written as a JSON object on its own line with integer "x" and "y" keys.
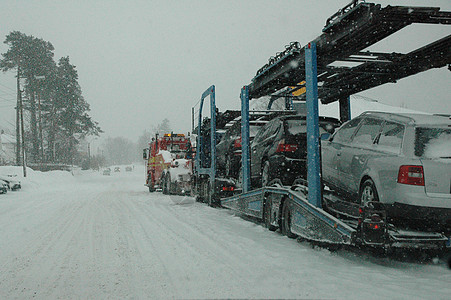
{"x": 11, "y": 182}
{"x": 279, "y": 150}
{"x": 401, "y": 160}
{"x": 107, "y": 171}
{"x": 3, "y": 187}
{"x": 117, "y": 169}
{"x": 128, "y": 169}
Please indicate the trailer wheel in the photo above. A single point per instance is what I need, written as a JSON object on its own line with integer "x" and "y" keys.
{"x": 267, "y": 216}
{"x": 286, "y": 221}
{"x": 228, "y": 167}
{"x": 368, "y": 192}
{"x": 151, "y": 189}
{"x": 265, "y": 173}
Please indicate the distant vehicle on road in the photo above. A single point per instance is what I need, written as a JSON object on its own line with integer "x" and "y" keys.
{"x": 128, "y": 169}
{"x": 117, "y": 169}
{"x": 401, "y": 160}
{"x": 107, "y": 171}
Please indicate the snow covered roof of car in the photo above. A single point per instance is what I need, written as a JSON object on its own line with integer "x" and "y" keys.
{"x": 417, "y": 118}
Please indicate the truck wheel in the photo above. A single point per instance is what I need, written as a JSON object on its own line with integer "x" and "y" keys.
{"x": 368, "y": 192}
{"x": 168, "y": 183}
{"x": 286, "y": 220}
{"x": 151, "y": 189}
{"x": 267, "y": 216}
{"x": 206, "y": 192}
{"x": 163, "y": 185}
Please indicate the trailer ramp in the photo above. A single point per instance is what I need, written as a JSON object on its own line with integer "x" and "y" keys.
{"x": 308, "y": 221}
{"x": 316, "y": 225}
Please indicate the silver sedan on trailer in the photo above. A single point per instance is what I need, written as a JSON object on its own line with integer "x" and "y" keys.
{"x": 401, "y": 160}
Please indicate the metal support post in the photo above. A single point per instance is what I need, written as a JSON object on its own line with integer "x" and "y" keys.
{"x": 210, "y": 170}
{"x": 345, "y": 109}
{"x": 313, "y": 158}
{"x": 245, "y": 155}
{"x": 213, "y": 137}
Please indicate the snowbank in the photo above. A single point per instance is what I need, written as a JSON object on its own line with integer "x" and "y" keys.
{"x": 37, "y": 179}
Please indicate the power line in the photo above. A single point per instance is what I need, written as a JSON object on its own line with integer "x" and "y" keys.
{"x": 7, "y": 92}
{"x": 8, "y": 99}
{"x": 7, "y": 87}
{"x": 7, "y": 105}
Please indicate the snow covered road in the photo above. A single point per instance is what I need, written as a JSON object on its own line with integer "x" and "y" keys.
{"x": 106, "y": 237}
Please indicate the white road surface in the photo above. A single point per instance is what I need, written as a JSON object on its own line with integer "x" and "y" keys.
{"x": 90, "y": 236}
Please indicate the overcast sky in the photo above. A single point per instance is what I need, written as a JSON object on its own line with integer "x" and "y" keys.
{"x": 142, "y": 61}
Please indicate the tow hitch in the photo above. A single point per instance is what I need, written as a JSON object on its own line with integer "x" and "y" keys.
{"x": 372, "y": 224}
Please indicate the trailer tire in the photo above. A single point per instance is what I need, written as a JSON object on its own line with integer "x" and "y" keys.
{"x": 267, "y": 216}
{"x": 167, "y": 184}
{"x": 286, "y": 220}
{"x": 228, "y": 167}
{"x": 368, "y": 192}
{"x": 151, "y": 189}
{"x": 266, "y": 176}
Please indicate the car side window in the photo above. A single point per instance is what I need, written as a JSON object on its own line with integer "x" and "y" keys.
{"x": 345, "y": 133}
{"x": 274, "y": 128}
{"x": 262, "y": 133}
{"x": 367, "y": 132}
{"x": 391, "y": 137}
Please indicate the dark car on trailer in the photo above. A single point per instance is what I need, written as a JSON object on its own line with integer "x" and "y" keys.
{"x": 228, "y": 150}
{"x": 279, "y": 150}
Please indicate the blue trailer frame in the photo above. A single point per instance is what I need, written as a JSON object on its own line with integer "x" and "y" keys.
{"x": 209, "y": 171}
{"x": 298, "y": 210}
{"x": 304, "y": 216}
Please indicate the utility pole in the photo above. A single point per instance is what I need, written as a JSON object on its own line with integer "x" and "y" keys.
{"x": 89, "y": 155}
{"x": 24, "y": 164}
{"x": 41, "y": 143}
{"x": 18, "y": 162}
{"x": 38, "y": 94}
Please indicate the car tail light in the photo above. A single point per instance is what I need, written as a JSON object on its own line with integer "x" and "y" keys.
{"x": 237, "y": 143}
{"x": 282, "y": 147}
{"x": 413, "y": 175}
{"x": 228, "y": 188}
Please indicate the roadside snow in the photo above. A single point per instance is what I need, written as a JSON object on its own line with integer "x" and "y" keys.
{"x": 106, "y": 237}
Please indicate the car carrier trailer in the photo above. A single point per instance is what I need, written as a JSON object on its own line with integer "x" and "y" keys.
{"x": 297, "y": 210}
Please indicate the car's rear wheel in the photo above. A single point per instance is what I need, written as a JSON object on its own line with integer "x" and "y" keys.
{"x": 368, "y": 193}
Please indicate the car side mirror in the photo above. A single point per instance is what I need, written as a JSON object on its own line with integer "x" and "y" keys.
{"x": 325, "y": 136}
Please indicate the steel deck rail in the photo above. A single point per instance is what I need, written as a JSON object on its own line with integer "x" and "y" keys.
{"x": 344, "y": 38}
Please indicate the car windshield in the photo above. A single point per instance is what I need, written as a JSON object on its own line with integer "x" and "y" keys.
{"x": 433, "y": 142}
{"x": 253, "y": 129}
{"x": 294, "y": 127}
